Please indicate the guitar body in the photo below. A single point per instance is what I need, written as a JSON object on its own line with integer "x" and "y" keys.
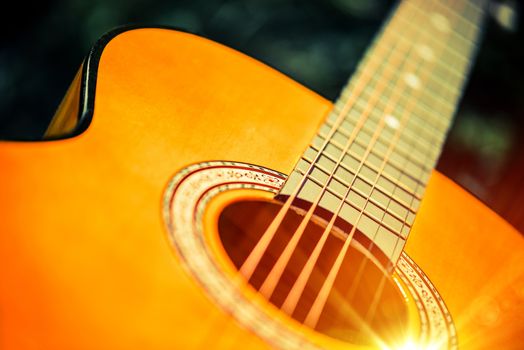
{"x": 88, "y": 260}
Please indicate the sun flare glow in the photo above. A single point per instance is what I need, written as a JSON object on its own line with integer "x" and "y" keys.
{"x": 412, "y": 345}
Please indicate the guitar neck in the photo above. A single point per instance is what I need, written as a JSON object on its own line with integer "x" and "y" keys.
{"x": 372, "y": 157}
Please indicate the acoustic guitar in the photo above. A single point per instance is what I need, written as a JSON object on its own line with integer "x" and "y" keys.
{"x": 189, "y": 197}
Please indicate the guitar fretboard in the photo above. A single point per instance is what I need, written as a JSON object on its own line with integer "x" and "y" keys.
{"x": 371, "y": 159}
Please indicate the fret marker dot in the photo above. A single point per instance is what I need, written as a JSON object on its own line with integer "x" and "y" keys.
{"x": 440, "y": 22}
{"x": 391, "y": 121}
{"x": 425, "y": 52}
{"x": 412, "y": 80}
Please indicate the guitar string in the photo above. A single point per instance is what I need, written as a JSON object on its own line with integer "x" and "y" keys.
{"x": 469, "y": 53}
{"x": 434, "y": 139}
{"x": 276, "y": 272}
{"x": 355, "y": 94}
{"x": 293, "y": 303}
{"x": 272, "y": 230}
{"x": 313, "y": 315}
{"x": 361, "y": 121}
{"x": 397, "y": 90}
{"x": 340, "y": 118}
{"x": 318, "y": 305}
{"x": 295, "y": 294}
{"x": 270, "y": 283}
{"x": 361, "y": 69}
{"x": 300, "y": 283}
{"x": 324, "y": 145}
{"x": 319, "y": 152}
{"x": 251, "y": 262}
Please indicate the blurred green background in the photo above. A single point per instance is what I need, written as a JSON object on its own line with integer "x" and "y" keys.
{"x": 316, "y": 42}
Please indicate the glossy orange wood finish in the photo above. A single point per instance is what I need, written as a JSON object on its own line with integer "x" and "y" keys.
{"x": 86, "y": 263}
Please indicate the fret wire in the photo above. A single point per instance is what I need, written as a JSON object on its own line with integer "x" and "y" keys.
{"x": 426, "y": 157}
{"x": 415, "y": 132}
{"x": 318, "y": 248}
{"x": 434, "y": 120}
{"x": 393, "y": 182}
{"x": 447, "y": 51}
{"x": 356, "y": 207}
{"x": 383, "y": 190}
{"x": 478, "y": 7}
{"x": 412, "y": 134}
{"x": 381, "y": 41}
{"x": 429, "y": 108}
{"x": 427, "y": 120}
{"x": 366, "y": 153}
{"x": 371, "y": 311}
{"x": 463, "y": 20}
{"x": 460, "y": 82}
{"x": 437, "y": 120}
{"x": 452, "y": 88}
{"x": 383, "y": 216}
{"x": 445, "y": 67}
{"x": 319, "y": 301}
{"x": 387, "y": 193}
{"x": 421, "y": 185}
{"x": 372, "y": 167}
{"x": 428, "y": 92}
{"x": 474, "y": 35}
{"x": 395, "y": 147}
{"x": 357, "y": 191}
{"x": 450, "y": 51}
{"x": 376, "y": 47}
{"x": 474, "y": 4}
{"x": 411, "y": 159}
{"x": 435, "y": 98}
{"x": 437, "y": 123}
{"x": 387, "y": 176}
{"x": 405, "y": 155}
{"x": 424, "y": 150}
{"x": 329, "y": 135}
{"x": 405, "y": 224}
{"x": 254, "y": 258}
{"x": 413, "y": 142}
{"x": 438, "y": 59}
{"x": 467, "y": 8}
{"x": 422, "y": 122}
{"x": 383, "y": 140}
{"x": 458, "y": 34}
{"x": 456, "y": 14}
{"x": 424, "y": 167}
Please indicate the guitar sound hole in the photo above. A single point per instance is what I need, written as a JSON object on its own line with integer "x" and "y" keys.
{"x": 240, "y": 226}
